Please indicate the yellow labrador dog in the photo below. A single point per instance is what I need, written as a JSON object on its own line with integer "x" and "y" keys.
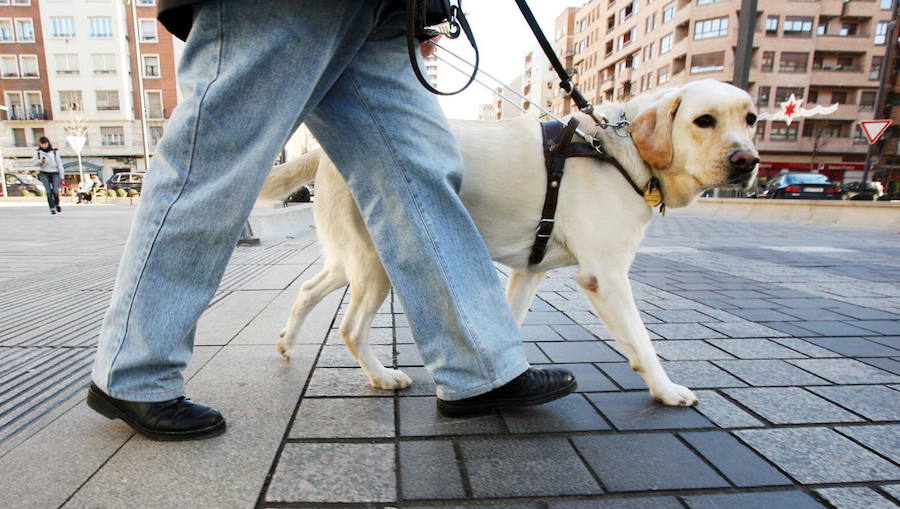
{"x": 691, "y": 138}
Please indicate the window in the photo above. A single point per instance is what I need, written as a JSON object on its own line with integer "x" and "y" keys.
{"x": 760, "y": 130}
{"x": 772, "y": 25}
{"x": 112, "y": 136}
{"x": 146, "y": 2}
{"x": 25, "y": 30}
{"x": 762, "y": 97}
{"x": 839, "y": 97}
{"x": 793, "y": 62}
{"x": 104, "y": 63}
{"x": 665, "y": 44}
{"x": 148, "y": 30}
{"x": 648, "y": 52}
{"x": 875, "y": 70}
{"x": 668, "y": 12}
{"x": 9, "y": 66}
{"x": 107, "y": 100}
{"x": 709, "y": 28}
{"x": 609, "y": 47}
{"x": 848, "y": 29}
{"x": 37, "y": 133}
{"x": 34, "y": 106}
{"x": 662, "y": 75}
{"x": 15, "y": 108}
{"x": 782, "y": 94}
{"x": 822, "y": 27}
{"x": 708, "y": 62}
{"x": 70, "y": 100}
{"x": 886, "y": 4}
{"x": 783, "y": 132}
{"x": 6, "y": 30}
{"x": 66, "y": 64}
{"x": 62, "y": 28}
{"x": 881, "y": 32}
{"x": 768, "y": 61}
{"x": 29, "y": 66}
{"x": 156, "y": 132}
{"x": 813, "y": 96}
{"x": 101, "y": 28}
{"x": 704, "y": 2}
{"x": 151, "y": 66}
{"x": 154, "y": 104}
{"x": 19, "y": 137}
{"x": 628, "y": 11}
{"x": 800, "y": 26}
{"x": 650, "y": 23}
{"x": 21, "y": 2}
{"x": 813, "y": 129}
{"x": 867, "y": 100}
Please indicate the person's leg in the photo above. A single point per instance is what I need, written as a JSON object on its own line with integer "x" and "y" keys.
{"x": 388, "y": 137}
{"x": 54, "y": 182}
{"x": 45, "y": 179}
{"x": 249, "y": 72}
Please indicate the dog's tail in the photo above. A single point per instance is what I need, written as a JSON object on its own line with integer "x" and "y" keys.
{"x": 286, "y": 178}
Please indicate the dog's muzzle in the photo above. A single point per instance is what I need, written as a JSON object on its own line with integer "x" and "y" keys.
{"x": 742, "y": 166}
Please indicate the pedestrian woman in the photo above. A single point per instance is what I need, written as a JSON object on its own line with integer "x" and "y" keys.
{"x": 51, "y": 172}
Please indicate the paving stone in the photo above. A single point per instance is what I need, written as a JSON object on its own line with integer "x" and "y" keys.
{"x": 480, "y": 506}
{"x": 330, "y": 382}
{"x": 607, "y": 502}
{"x": 891, "y": 341}
{"x": 875, "y": 402}
{"x": 754, "y": 348}
{"x": 689, "y": 350}
{"x": 818, "y": 455}
{"x": 846, "y": 371}
{"x": 408, "y": 355}
{"x": 763, "y": 315}
{"x": 889, "y": 365}
{"x": 682, "y": 316}
{"x": 832, "y": 328}
{"x": 328, "y": 472}
{"x": 583, "y": 317}
{"x": 622, "y": 374}
{"x": 807, "y": 303}
{"x": 534, "y": 355}
{"x": 572, "y": 413}
{"x": 814, "y": 314}
{"x": 589, "y": 377}
{"x": 893, "y": 490}
{"x": 340, "y": 357}
{"x": 344, "y": 418}
{"x": 789, "y": 328}
{"x": 734, "y": 460}
{"x": 700, "y": 375}
{"x": 804, "y": 347}
{"x": 423, "y": 383}
{"x": 773, "y": 499}
{"x": 790, "y": 405}
{"x": 854, "y": 347}
{"x": 864, "y": 313}
{"x": 683, "y": 331}
{"x": 599, "y": 330}
{"x": 544, "y": 466}
{"x": 723, "y": 412}
{"x": 646, "y": 461}
{"x": 855, "y": 498}
{"x": 638, "y": 410}
{"x": 547, "y": 318}
{"x": 880, "y": 326}
{"x": 768, "y": 373}
{"x": 429, "y": 470}
{"x": 748, "y": 304}
{"x": 403, "y": 335}
{"x": 742, "y": 294}
{"x": 745, "y": 330}
{"x": 539, "y": 333}
{"x": 580, "y": 351}
{"x": 419, "y": 417}
{"x": 883, "y": 438}
{"x": 574, "y": 333}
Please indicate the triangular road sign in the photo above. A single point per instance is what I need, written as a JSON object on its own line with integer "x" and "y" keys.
{"x": 77, "y": 142}
{"x": 874, "y": 128}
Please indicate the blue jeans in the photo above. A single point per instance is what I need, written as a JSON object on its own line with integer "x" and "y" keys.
{"x": 251, "y": 72}
{"x": 51, "y": 185}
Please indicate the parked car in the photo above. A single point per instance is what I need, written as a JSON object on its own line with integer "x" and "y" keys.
{"x": 126, "y": 181}
{"x": 871, "y": 191}
{"x": 20, "y": 184}
{"x": 805, "y": 186}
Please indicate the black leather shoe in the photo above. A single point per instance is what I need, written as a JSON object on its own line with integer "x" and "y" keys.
{"x": 175, "y": 419}
{"x": 533, "y": 387}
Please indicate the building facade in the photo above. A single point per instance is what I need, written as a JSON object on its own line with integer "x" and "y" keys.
{"x": 822, "y": 51}
{"x": 80, "y": 76}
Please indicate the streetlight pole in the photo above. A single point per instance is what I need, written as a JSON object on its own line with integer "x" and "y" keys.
{"x": 140, "y": 75}
{"x": 743, "y": 54}
{"x": 890, "y": 41}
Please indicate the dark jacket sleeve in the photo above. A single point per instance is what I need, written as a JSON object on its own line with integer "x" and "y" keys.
{"x": 177, "y": 16}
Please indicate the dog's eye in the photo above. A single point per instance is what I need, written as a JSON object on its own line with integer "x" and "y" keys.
{"x": 751, "y": 119}
{"x": 705, "y": 121}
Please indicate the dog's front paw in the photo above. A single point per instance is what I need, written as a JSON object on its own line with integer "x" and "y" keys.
{"x": 391, "y": 379}
{"x": 284, "y": 350}
{"x": 675, "y": 395}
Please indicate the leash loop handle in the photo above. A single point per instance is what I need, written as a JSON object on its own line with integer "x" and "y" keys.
{"x": 415, "y": 28}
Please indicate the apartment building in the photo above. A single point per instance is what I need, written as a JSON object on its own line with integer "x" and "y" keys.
{"x": 79, "y": 72}
{"x": 821, "y": 51}
{"x": 535, "y": 82}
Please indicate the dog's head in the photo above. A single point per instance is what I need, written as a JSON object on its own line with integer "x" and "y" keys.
{"x": 695, "y": 137}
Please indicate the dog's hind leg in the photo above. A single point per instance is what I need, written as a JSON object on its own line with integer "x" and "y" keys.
{"x": 523, "y": 285}
{"x": 366, "y": 296}
{"x": 610, "y": 293}
{"x": 311, "y": 293}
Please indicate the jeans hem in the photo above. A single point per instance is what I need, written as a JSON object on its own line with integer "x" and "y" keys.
{"x": 499, "y": 381}
{"x": 145, "y": 397}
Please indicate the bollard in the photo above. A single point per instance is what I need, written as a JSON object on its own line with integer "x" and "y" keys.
{"x": 247, "y": 238}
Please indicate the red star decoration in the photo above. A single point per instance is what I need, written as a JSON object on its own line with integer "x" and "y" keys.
{"x": 790, "y": 108}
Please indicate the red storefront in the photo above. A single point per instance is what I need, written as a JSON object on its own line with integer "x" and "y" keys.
{"x": 834, "y": 171}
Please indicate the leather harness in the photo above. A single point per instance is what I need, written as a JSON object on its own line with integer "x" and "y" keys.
{"x": 558, "y": 146}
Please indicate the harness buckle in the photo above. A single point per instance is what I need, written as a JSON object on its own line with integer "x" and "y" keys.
{"x": 547, "y": 220}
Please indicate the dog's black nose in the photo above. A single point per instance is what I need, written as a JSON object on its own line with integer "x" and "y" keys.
{"x": 743, "y": 161}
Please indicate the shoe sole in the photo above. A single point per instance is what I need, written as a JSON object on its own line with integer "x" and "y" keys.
{"x": 101, "y": 404}
{"x": 449, "y": 409}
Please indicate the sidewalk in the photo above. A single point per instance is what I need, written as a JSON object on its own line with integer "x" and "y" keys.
{"x": 790, "y": 335}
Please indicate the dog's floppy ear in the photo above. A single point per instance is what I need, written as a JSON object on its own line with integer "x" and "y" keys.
{"x": 651, "y": 131}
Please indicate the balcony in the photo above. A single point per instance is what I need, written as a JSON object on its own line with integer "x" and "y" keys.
{"x": 859, "y": 9}
{"x": 846, "y": 44}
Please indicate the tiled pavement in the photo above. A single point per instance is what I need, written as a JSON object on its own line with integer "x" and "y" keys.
{"x": 790, "y": 335}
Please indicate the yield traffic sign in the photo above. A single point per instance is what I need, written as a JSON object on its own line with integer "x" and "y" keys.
{"x": 874, "y": 128}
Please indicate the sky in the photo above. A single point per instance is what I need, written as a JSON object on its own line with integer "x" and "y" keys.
{"x": 503, "y": 39}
